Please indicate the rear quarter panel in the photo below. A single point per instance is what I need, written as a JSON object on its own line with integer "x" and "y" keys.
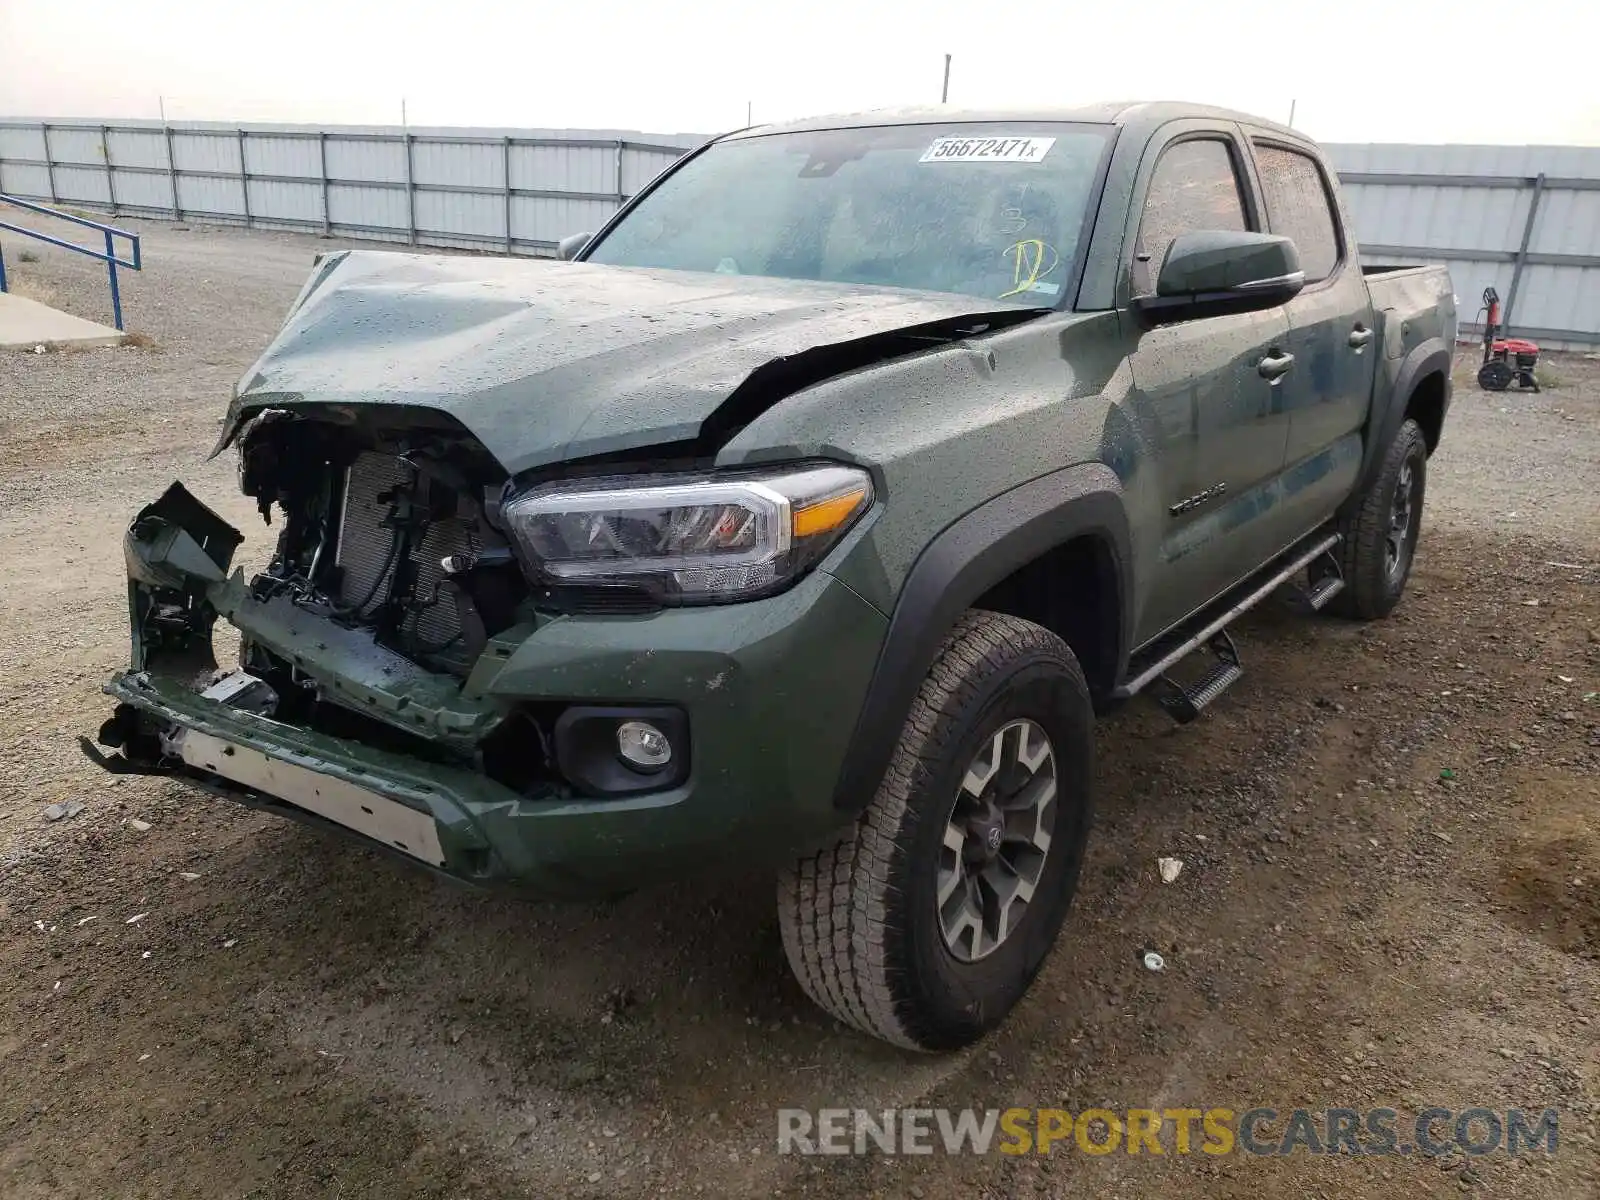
{"x": 1416, "y": 305}
{"x": 1416, "y": 313}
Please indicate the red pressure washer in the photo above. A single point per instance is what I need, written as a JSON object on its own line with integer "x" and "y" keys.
{"x": 1505, "y": 360}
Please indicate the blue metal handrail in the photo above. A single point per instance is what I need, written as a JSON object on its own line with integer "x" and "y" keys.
{"x": 107, "y": 256}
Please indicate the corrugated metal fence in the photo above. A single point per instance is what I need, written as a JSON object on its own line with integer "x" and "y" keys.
{"x": 1523, "y": 218}
{"x": 515, "y": 191}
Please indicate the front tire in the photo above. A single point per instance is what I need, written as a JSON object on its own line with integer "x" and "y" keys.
{"x": 925, "y": 924}
{"x": 1380, "y": 535}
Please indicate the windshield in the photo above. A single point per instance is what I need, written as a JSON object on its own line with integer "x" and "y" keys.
{"x": 993, "y": 209}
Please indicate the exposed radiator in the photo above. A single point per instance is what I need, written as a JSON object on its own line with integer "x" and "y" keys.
{"x": 363, "y": 551}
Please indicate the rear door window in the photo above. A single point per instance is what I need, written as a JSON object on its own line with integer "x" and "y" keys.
{"x": 1195, "y": 186}
{"x": 1299, "y": 207}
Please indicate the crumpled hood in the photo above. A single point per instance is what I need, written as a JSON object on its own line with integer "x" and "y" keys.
{"x": 543, "y": 361}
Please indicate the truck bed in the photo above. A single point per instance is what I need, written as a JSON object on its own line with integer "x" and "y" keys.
{"x": 1413, "y": 303}
{"x": 1371, "y": 269}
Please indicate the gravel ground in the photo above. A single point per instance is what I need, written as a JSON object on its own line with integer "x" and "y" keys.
{"x": 294, "y": 1017}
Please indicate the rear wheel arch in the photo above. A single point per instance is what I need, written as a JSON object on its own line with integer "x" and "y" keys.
{"x": 1421, "y": 381}
{"x": 1426, "y": 404}
{"x": 1001, "y": 556}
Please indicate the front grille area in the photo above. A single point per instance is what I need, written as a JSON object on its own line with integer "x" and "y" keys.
{"x": 364, "y": 552}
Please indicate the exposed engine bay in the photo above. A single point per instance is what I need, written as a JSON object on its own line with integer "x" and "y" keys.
{"x": 389, "y": 529}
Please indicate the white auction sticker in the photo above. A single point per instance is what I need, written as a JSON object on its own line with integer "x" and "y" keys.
{"x": 988, "y": 149}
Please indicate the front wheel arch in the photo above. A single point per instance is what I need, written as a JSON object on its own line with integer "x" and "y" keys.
{"x": 971, "y": 558}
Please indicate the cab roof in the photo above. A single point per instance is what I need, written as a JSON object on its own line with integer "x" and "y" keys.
{"x": 1126, "y": 112}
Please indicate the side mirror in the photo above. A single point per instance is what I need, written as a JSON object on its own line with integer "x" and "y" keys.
{"x": 1212, "y": 272}
{"x": 569, "y": 247}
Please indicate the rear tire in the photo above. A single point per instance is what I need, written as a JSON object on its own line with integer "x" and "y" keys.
{"x": 1380, "y": 535}
{"x": 1003, "y": 720}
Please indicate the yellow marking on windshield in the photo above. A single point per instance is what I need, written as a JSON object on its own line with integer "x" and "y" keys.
{"x": 1031, "y": 260}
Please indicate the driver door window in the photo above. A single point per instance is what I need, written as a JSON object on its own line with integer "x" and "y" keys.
{"x": 1195, "y": 186}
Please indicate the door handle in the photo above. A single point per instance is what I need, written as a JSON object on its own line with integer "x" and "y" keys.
{"x": 1359, "y": 337}
{"x": 1275, "y": 366}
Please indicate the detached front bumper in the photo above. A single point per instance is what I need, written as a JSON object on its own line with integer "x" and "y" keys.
{"x": 770, "y": 691}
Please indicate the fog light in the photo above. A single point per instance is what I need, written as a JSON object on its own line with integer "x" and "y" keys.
{"x": 643, "y": 746}
{"x": 605, "y": 752}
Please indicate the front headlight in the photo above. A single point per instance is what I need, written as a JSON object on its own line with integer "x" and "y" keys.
{"x": 703, "y": 539}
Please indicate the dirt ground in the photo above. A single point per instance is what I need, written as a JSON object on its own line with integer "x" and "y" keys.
{"x": 214, "y": 1003}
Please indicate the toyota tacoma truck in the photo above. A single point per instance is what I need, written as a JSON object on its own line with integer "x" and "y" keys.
{"x": 805, "y": 514}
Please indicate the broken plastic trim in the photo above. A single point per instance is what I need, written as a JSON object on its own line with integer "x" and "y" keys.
{"x": 176, "y": 550}
{"x": 177, "y": 540}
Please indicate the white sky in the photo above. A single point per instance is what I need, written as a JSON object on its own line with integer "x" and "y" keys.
{"x": 1359, "y": 70}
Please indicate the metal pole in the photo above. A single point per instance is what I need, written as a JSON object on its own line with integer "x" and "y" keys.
{"x": 111, "y": 177}
{"x": 616, "y": 173}
{"x": 322, "y": 167}
{"x": 49, "y": 160}
{"x": 505, "y": 169}
{"x": 172, "y": 175}
{"x": 244, "y": 180}
{"x": 944, "y": 94}
{"x": 411, "y": 195}
{"x": 1292, "y": 103}
{"x": 1522, "y": 251}
{"x": 111, "y": 266}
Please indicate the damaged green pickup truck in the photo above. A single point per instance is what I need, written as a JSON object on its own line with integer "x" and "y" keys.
{"x": 806, "y": 515}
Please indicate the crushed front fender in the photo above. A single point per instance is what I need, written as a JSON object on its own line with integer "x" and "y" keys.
{"x": 176, "y": 551}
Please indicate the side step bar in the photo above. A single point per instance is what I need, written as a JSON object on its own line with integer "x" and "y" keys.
{"x": 1327, "y": 581}
{"x": 1323, "y": 590}
{"x": 1185, "y": 703}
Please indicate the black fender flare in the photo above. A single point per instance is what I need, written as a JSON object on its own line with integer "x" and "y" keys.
{"x": 962, "y": 563}
{"x": 1426, "y": 358}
